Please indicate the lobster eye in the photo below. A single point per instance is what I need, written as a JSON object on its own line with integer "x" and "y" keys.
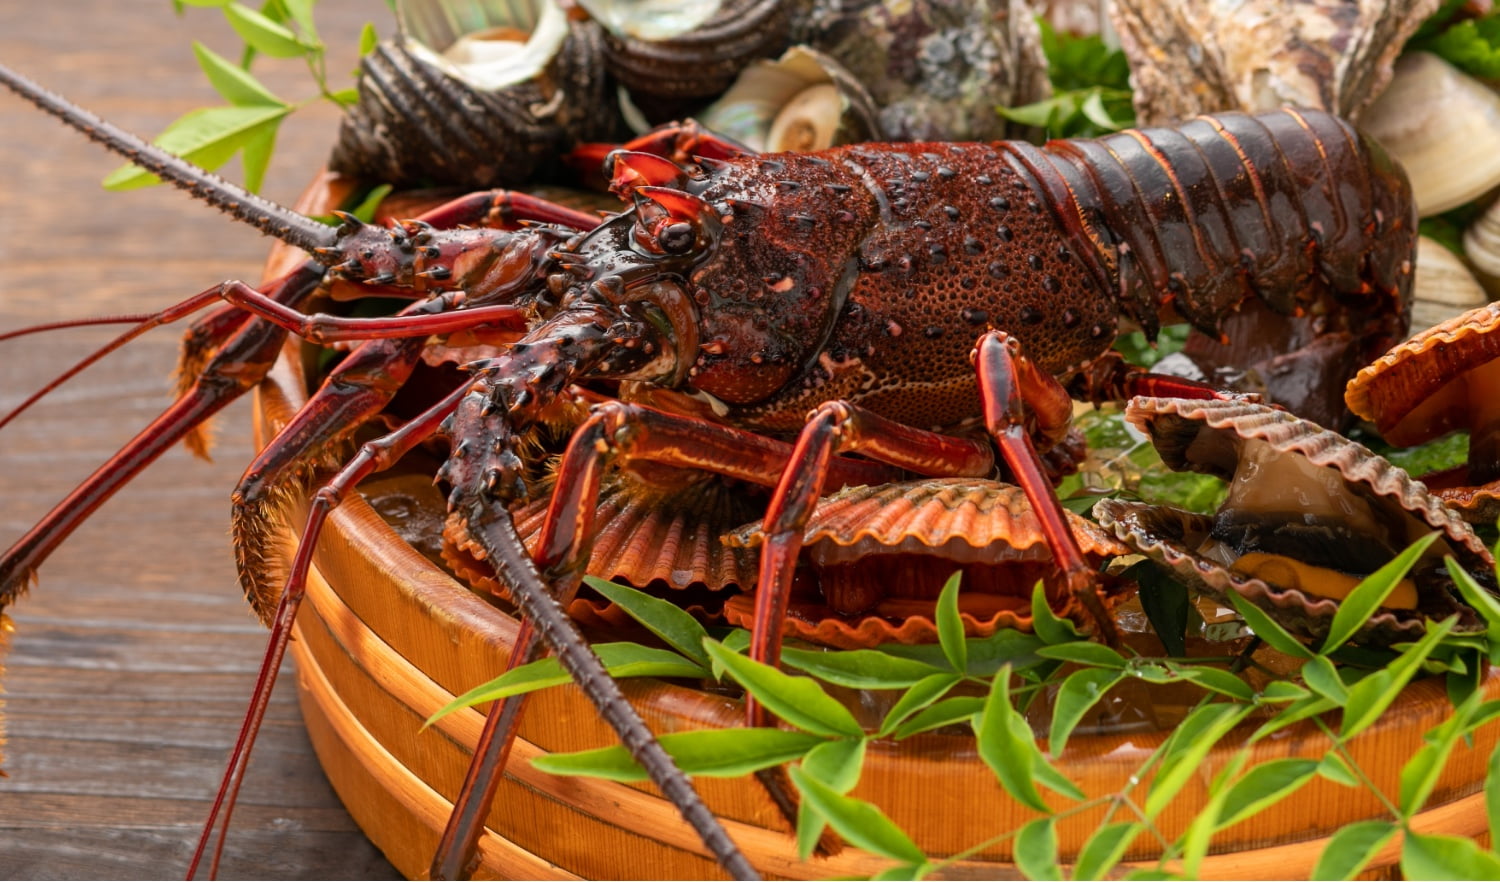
{"x": 676, "y": 238}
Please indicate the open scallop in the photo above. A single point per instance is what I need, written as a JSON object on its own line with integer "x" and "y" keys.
{"x": 1309, "y": 513}
{"x": 875, "y": 559}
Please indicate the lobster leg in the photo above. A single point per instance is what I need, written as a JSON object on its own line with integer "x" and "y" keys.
{"x": 372, "y": 457}
{"x": 1021, "y": 401}
{"x": 615, "y": 433}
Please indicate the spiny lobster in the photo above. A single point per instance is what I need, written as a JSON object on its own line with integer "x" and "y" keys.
{"x": 853, "y": 283}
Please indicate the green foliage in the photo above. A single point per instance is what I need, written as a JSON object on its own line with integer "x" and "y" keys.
{"x": 1472, "y": 45}
{"x": 248, "y": 124}
{"x": 1091, "y": 89}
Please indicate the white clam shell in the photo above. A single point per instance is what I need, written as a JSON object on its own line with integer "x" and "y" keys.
{"x": 1444, "y": 287}
{"x": 1444, "y": 128}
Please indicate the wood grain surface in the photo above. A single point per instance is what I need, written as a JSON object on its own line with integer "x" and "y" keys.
{"x": 133, "y": 657}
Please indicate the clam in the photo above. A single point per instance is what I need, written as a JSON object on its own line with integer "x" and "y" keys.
{"x": 1444, "y": 379}
{"x": 1444, "y": 127}
{"x": 476, "y": 94}
{"x": 874, "y": 560}
{"x": 673, "y": 58}
{"x": 1308, "y": 514}
{"x": 1443, "y": 287}
{"x": 1482, "y": 245}
{"x": 802, "y": 101}
{"x": 936, "y": 70}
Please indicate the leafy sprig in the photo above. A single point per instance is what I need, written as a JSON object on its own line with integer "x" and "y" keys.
{"x": 1091, "y": 88}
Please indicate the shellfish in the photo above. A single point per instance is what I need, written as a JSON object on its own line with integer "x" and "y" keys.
{"x": 1308, "y": 514}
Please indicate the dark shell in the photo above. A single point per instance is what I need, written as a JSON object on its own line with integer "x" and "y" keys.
{"x": 1426, "y": 387}
{"x": 416, "y": 124}
{"x": 937, "y": 68}
{"x": 1206, "y": 436}
{"x": 672, "y": 77}
{"x": 898, "y": 543}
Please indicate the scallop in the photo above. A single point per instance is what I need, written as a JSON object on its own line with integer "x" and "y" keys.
{"x": 874, "y": 560}
{"x": 1308, "y": 514}
{"x": 487, "y": 93}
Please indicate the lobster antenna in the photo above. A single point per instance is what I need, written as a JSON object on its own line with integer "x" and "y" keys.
{"x": 232, "y": 199}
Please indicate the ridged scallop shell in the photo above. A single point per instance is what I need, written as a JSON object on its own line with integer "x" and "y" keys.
{"x": 670, "y": 76}
{"x": 1419, "y": 391}
{"x": 1205, "y": 436}
{"x": 422, "y": 119}
{"x": 944, "y": 524}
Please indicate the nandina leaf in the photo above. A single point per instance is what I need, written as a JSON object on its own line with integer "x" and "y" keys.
{"x": 1492, "y": 794}
{"x": 1036, "y": 849}
{"x": 665, "y": 619}
{"x": 1370, "y": 697}
{"x": 921, "y": 694}
{"x": 1194, "y": 737}
{"x": 1426, "y": 856}
{"x": 1215, "y": 680}
{"x": 711, "y": 753}
{"x": 208, "y": 137}
{"x": 947, "y": 712}
{"x": 1323, "y": 678}
{"x": 1164, "y": 599}
{"x": 1267, "y": 629}
{"x": 1336, "y": 769}
{"x": 1079, "y": 692}
{"x": 860, "y": 668}
{"x": 860, "y": 822}
{"x": 1482, "y": 602}
{"x": 255, "y": 153}
{"x": 368, "y": 39}
{"x": 837, "y": 764}
{"x": 950, "y": 625}
{"x": 1082, "y": 653}
{"x": 262, "y": 33}
{"x": 1047, "y": 624}
{"x": 1353, "y": 846}
{"x": 1264, "y": 786}
{"x": 798, "y": 700}
{"x": 1371, "y": 592}
{"x": 233, "y": 82}
{"x": 1104, "y": 849}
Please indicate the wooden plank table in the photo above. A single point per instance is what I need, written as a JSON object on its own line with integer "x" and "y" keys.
{"x": 133, "y": 658}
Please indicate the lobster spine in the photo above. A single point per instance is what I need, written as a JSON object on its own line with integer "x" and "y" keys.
{"x": 1278, "y": 205}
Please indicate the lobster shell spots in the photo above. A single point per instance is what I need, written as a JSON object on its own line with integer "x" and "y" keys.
{"x": 1382, "y": 509}
{"x": 1443, "y": 379}
{"x": 875, "y": 558}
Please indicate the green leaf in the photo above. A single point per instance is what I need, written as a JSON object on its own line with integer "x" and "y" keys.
{"x": 1482, "y": 602}
{"x": 950, "y": 627}
{"x": 208, "y": 137}
{"x": 921, "y": 694}
{"x": 1003, "y": 744}
{"x": 1351, "y": 848}
{"x": 947, "y": 712}
{"x": 1297, "y": 711}
{"x": 233, "y": 82}
{"x": 899, "y": 872}
{"x": 1267, "y": 629}
{"x": 368, "y": 39}
{"x": 1047, "y": 624}
{"x": 1079, "y": 692}
{"x": 1216, "y": 680}
{"x": 345, "y": 97}
{"x": 1323, "y": 678}
{"x": 1419, "y": 775}
{"x": 1370, "y": 697}
{"x": 262, "y": 34}
{"x": 665, "y": 619}
{"x": 1104, "y": 849}
{"x": 1281, "y": 690}
{"x": 367, "y": 207}
{"x": 1091, "y": 654}
{"x": 1425, "y": 856}
{"x": 255, "y": 154}
{"x": 301, "y": 12}
{"x": 1492, "y": 795}
{"x": 1036, "y": 849}
{"x": 620, "y": 660}
{"x": 836, "y": 764}
{"x": 1334, "y": 768}
{"x": 1472, "y": 46}
{"x": 1264, "y": 786}
{"x": 1370, "y": 593}
{"x": 1165, "y": 603}
{"x": 711, "y": 753}
{"x": 1186, "y": 749}
{"x": 798, "y": 700}
{"x": 860, "y": 668}
{"x": 861, "y": 823}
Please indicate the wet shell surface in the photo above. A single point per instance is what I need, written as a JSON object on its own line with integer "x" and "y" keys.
{"x": 671, "y": 68}
{"x": 1443, "y": 287}
{"x": 485, "y": 94}
{"x": 875, "y": 559}
{"x": 802, "y": 101}
{"x": 1336, "y": 507}
{"x": 1444, "y": 379}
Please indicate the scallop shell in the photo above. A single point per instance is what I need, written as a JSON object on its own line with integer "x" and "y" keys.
{"x": 1444, "y": 128}
{"x": 914, "y": 535}
{"x": 1427, "y": 387}
{"x": 1205, "y": 436}
{"x": 672, "y": 71}
{"x": 431, "y": 111}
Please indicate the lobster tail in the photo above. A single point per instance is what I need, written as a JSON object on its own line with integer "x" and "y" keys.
{"x": 239, "y": 203}
{"x": 1285, "y": 205}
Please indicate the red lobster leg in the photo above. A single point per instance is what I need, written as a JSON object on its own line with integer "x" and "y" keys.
{"x": 1020, "y": 401}
{"x": 374, "y": 456}
{"x": 240, "y": 364}
{"x": 1110, "y": 378}
{"x": 680, "y": 142}
{"x": 614, "y": 433}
